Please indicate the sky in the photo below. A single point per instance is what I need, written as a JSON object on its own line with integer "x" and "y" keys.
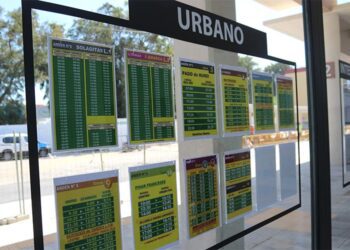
{"x": 279, "y": 44}
{"x": 91, "y": 5}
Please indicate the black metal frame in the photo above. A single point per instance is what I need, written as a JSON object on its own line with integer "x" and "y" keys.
{"x": 318, "y": 120}
{"x": 27, "y": 7}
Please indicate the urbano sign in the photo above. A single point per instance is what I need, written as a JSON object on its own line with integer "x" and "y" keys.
{"x": 187, "y": 23}
{"x": 205, "y": 25}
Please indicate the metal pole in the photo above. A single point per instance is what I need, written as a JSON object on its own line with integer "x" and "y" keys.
{"x": 318, "y": 120}
{"x": 102, "y": 167}
{"x": 144, "y": 154}
{"x": 21, "y": 167}
{"x": 31, "y": 124}
{"x": 17, "y": 173}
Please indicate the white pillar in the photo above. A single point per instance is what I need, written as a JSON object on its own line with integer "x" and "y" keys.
{"x": 332, "y": 52}
{"x": 197, "y": 148}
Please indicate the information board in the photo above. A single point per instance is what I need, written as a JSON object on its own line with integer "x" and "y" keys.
{"x": 88, "y": 211}
{"x": 237, "y": 184}
{"x": 198, "y": 99}
{"x": 235, "y": 100}
{"x": 285, "y": 99}
{"x": 262, "y": 85}
{"x": 202, "y": 194}
{"x": 83, "y": 95}
{"x": 150, "y": 97}
{"x": 154, "y": 205}
{"x": 346, "y": 102}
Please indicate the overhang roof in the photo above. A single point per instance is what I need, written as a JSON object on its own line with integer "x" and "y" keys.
{"x": 328, "y": 5}
{"x": 293, "y": 25}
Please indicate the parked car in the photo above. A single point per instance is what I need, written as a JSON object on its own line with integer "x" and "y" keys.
{"x": 7, "y": 147}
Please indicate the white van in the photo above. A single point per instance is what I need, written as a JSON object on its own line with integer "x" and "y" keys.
{"x": 8, "y": 147}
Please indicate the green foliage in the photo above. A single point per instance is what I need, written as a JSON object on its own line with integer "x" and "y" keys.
{"x": 121, "y": 38}
{"x": 11, "y": 57}
{"x": 248, "y": 63}
{"x": 12, "y": 112}
{"x": 12, "y": 62}
{"x": 11, "y": 53}
{"x": 277, "y": 68}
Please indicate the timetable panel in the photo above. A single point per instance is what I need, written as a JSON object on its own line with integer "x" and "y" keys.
{"x": 285, "y": 98}
{"x": 235, "y": 101}
{"x": 154, "y": 205}
{"x": 237, "y": 184}
{"x": 150, "y": 97}
{"x": 88, "y": 211}
{"x": 202, "y": 194}
{"x": 198, "y": 99}
{"x": 262, "y": 85}
{"x": 83, "y": 95}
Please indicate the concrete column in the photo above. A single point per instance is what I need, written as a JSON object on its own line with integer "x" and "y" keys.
{"x": 332, "y": 51}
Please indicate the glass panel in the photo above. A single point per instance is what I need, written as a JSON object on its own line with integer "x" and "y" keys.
{"x": 225, "y": 190}
{"x": 283, "y": 24}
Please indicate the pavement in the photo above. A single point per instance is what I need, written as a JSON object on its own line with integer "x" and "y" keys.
{"x": 293, "y": 231}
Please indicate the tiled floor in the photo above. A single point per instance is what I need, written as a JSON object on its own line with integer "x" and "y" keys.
{"x": 294, "y": 230}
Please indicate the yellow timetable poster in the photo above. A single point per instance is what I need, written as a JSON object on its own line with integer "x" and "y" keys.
{"x": 285, "y": 98}
{"x": 198, "y": 98}
{"x": 202, "y": 194}
{"x": 237, "y": 184}
{"x": 262, "y": 85}
{"x": 234, "y": 91}
{"x": 88, "y": 211}
{"x": 154, "y": 205}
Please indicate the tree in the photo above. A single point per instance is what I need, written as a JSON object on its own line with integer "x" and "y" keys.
{"x": 121, "y": 38}
{"x": 11, "y": 53}
{"x": 12, "y": 61}
{"x": 40, "y": 54}
{"x": 11, "y": 58}
{"x": 12, "y": 112}
{"x": 248, "y": 63}
{"x": 277, "y": 68}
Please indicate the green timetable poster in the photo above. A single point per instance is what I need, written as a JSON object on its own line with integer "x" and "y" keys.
{"x": 262, "y": 85}
{"x": 83, "y": 95}
{"x": 198, "y": 99}
{"x": 150, "y": 97}
{"x": 202, "y": 194}
{"x": 154, "y": 205}
{"x": 237, "y": 184}
{"x": 235, "y": 103}
{"x": 88, "y": 211}
{"x": 285, "y": 98}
